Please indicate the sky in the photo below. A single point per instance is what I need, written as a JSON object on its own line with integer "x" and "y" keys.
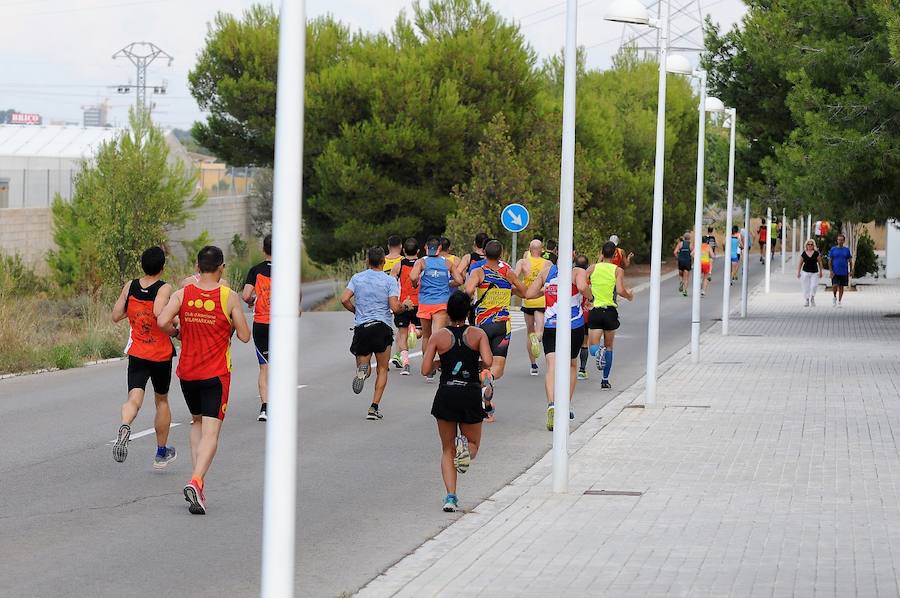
{"x": 56, "y": 55}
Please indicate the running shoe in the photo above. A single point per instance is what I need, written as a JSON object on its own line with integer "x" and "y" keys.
{"x": 374, "y": 414}
{"x": 451, "y": 504}
{"x": 489, "y": 412}
{"x": 429, "y": 379}
{"x": 405, "y": 370}
{"x": 362, "y": 372}
{"x": 702, "y": 293}
{"x": 571, "y": 415}
{"x": 812, "y": 301}
{"x": 550, "y": 410}
{"x": 601, "y": 359}
{"x": 463, "y": 458}
{"x": 263, "y": 414}
{"x": 839, "y": 304}
{"x": 834, "y": 300}
{"x": 681, "y": 287}
{"x": 120, "y": 448}
{"x": 397, "y": 361}
{"x": 412, "y": 339}
{"x": 534, "y": 369}
{"x": 193, "y": 494}
{"x": 806, "y": 303}
{"x": 684, "y": 293}
{"x": 535, "y": 346}
{"x": 604, "y": 384}
{"x": 161, "y": 461}
{"x": 582, "y": 375}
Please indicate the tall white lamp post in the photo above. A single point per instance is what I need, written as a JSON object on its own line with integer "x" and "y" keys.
{"x": 635, "y": 13}
{"x": 745, "y": 268}
{"x": 280, "y": 493}
{"x": 768, "y": 249}
{"x": 784, "y": 227}
{"x": 729, "y": 223}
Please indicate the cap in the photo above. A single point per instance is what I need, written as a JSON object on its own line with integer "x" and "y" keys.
{"x": 614, "y": 239}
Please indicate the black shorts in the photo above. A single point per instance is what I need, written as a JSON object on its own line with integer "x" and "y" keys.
{"x": 462, "y": 405}
{"x": 371, "y": 337}
{"x": 208, "y": 398}
{"x": 603, "y": 318}
{"x": 159, "y": 373}
{"x": 533, "y": 310}
{"x": 498, "y": 334}
{"x": 549, "y": 341}
{"x": 261, "y": 340}
{"x": 407, "y": 318}
{"x": 840, "y": 280}
{"x": 684, "y": 264}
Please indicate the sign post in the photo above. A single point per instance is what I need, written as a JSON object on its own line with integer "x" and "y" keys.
{"x": 515, "y": 219}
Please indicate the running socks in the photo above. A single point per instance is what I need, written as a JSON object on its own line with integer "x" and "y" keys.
{"x": 404, "y": 357}
{"x": 607, "y": 368}
{"x": 583, "y": 356}
{"x": 594, "y": 350}
{"x": 160, "y": 451}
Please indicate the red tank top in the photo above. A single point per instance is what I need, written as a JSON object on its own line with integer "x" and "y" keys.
{"x": 407, "y": 291}
{"x": 145, "y": 339}
{"x": 205, "y": 334}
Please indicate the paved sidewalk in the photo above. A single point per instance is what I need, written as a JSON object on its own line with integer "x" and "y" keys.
{"x": 770, "y": 469}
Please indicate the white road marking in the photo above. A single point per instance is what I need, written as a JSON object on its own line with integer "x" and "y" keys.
{"x": 302, "y": 386}
{"x": 144, "y": 433}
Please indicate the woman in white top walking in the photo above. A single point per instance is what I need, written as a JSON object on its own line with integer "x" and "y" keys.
{"x": 809, "y": 270}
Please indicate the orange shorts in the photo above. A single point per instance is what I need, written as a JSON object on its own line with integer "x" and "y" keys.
{"x": 426, "y": 312}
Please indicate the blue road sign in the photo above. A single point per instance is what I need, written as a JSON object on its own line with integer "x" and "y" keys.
{"x": 514, "y": 218}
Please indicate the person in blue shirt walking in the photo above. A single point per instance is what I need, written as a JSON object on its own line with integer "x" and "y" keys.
{"x": 373, "y": 298}
{"x": 840, "y": 261}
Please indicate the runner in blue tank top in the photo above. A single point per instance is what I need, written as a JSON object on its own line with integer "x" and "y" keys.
{"x": 434, "y": 277}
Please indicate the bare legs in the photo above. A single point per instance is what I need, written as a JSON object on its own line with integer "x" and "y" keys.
{"x": 161, "y": 423}
{"x": 204, "y": 443}
{"x": 549, "y": 377}
{"x": 447, "y": 432}
{"x": 264, "y": 383}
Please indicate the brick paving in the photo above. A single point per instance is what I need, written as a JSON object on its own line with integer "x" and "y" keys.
{"x": 771, "y": 468}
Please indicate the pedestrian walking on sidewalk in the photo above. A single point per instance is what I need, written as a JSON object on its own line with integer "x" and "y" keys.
{"x": 457, "y": 405}
{"x": 840, "y": 262}
{"x": 809, "y": 271}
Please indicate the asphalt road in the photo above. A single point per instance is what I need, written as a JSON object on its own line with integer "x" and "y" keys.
{"x": 75, "y": 523}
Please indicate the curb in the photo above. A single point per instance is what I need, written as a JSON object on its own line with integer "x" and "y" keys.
{"x": 48, "y": 370}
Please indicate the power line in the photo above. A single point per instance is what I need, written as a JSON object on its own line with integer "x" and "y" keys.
{"x": 86, "y": 8}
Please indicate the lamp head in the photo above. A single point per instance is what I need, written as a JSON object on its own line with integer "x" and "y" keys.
{"x": 679, "y": 65}
{"x": 714, "y": 104}
{"x": 628, "y": 11}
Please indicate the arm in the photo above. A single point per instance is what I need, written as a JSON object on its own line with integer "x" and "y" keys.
{"x": 583, "y": 283}
{"x": 430, "y": 353}
{"x": 162, "y": 299}
{"x": 536, "y": 288}
{"x": 457, "y": 279}
{"x": 167, "y": 316}
{"x": 484, "y": 347}
{"x": 416, "y": 273}
{"x": 621, "y": 289}
{"x": 247, "y": 295}
{"x": 799, "y": 264}
{"x": 463, "y": 264}
{"x": 237, "y": 319}
{"x": 476, "y": 277}
{"x": 119, "y": 311}
{"x": 821, "y": 268}
{"x": 395, "y": 271}
{"x": 626, "y": 263}
{"x": 518, "y": 287}
{"x": 346, "y": 301}
{"x": 394, "y": 297}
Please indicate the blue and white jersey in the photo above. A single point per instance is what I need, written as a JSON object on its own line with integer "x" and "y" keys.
{"x": 434, "y": 283}
{"x": 551, "y": 296}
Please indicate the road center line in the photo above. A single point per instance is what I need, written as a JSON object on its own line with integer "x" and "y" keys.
{"x": 144, "y": 433}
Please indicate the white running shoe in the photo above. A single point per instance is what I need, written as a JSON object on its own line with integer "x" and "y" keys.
{"x": 463, "y": 458}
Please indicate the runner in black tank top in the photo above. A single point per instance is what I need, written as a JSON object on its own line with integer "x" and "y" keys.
{"x": 457, "y": 404}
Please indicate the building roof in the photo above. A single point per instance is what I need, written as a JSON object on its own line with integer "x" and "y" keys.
{"x": 33, "y": 141}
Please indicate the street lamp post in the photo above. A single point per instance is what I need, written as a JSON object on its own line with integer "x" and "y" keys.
{"x": 635, "y": 13}
{"x": 280, "y": 490}
{"x": 562, "y": 371}
{"x": 729, "y": 223}
{"x": 745, "y": 269}
{"x": 783, "y": 239}
{"x": 768, "y": 249}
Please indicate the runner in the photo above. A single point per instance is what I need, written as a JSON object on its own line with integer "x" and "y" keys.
{"x": 257, "y": 294}
{"x": 406, "y": 321}
{"x": 706, "y": 264}
{"x": 445, "y": 252}
{"x": 547, "y": 282}
{"x": 457, "y": 405}
{"x": 621, "y": 260}
{"x": 209, "y": 312}
{"x": 474, "y": 258}
{"x": 377, "y": 298}
{"x": 807, "y": 270}
{"x": 150, "y": 353}
{"x": 528, "y": 268}
{"x": 763, "y": 235}
{"x": 684, "y": 251}
{"x": 737, "y": 248}
{"x": 710, "y": 239}
{"x": 582, "y": 261}
{"x": 552, "y": 249}
{"x": 840, "y": 262}
{"x": 491, "y": 285}
{"x": 394, "y": 254}
{"x": 607, "y": 285}
{"x": 433, "y": 276}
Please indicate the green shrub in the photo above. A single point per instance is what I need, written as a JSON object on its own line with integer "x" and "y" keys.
{"x": 17, "y": 279}
{"x": 865, "y": 261}
{"x": 64, "y": 357}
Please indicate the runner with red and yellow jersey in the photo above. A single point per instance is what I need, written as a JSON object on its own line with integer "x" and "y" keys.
{"x": 208, "y": 313}
{"x": 150, "y": 353}
{"x": 406, "y": 321}
{"x": 257, "y": 294}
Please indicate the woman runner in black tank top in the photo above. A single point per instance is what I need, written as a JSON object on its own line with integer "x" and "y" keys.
{"x": 463, "y": 351}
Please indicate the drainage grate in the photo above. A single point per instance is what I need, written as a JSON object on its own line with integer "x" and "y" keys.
{"x": 634, "y": 406}
{"x": 728, "y": 363}
{"x": 612, "y": 493}
{"x": 751, "y": 335}
{"x": 892, "y": 315}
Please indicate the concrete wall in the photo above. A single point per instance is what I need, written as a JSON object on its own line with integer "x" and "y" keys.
{"x": 28, "y": 232}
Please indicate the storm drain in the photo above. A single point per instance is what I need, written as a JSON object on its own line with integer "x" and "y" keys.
{"x": 728, "y": 363}
{"x": 751, "y": 335}
{"x": 612, "y": 493}
{"x": 892, "y": 315}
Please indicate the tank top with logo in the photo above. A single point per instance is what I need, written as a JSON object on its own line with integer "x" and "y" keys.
{"x": 603, "y": 284}
{"x": 434, "y": 282}
{"x": 205, "y": 333}
{"x": 407, "y": 290}
{"x": 535, "y": 266}
{"x": 145, "y": 339}
{"x": 551, "y": 294}
{"x": 493, "y": 295}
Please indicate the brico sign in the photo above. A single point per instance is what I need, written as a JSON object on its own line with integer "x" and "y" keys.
{"x": 19, "y": 118}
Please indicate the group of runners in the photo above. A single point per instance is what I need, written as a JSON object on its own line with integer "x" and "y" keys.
{"x": 460, "y": 307}
{"x": 204, "y": 314}
{"x": 684, "y": 253}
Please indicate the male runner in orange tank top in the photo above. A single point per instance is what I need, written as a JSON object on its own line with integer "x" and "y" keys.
{"x": 208, "y": 313}
{"x": 150, "y": 353}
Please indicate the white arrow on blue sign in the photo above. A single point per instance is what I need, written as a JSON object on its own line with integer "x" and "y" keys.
{"x": 514, "y": 218}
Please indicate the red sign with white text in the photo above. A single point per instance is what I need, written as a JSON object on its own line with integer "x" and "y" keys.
{"x": 18, "y": 118}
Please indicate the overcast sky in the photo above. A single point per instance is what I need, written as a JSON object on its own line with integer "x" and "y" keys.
{"x": 55, "y": 55}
